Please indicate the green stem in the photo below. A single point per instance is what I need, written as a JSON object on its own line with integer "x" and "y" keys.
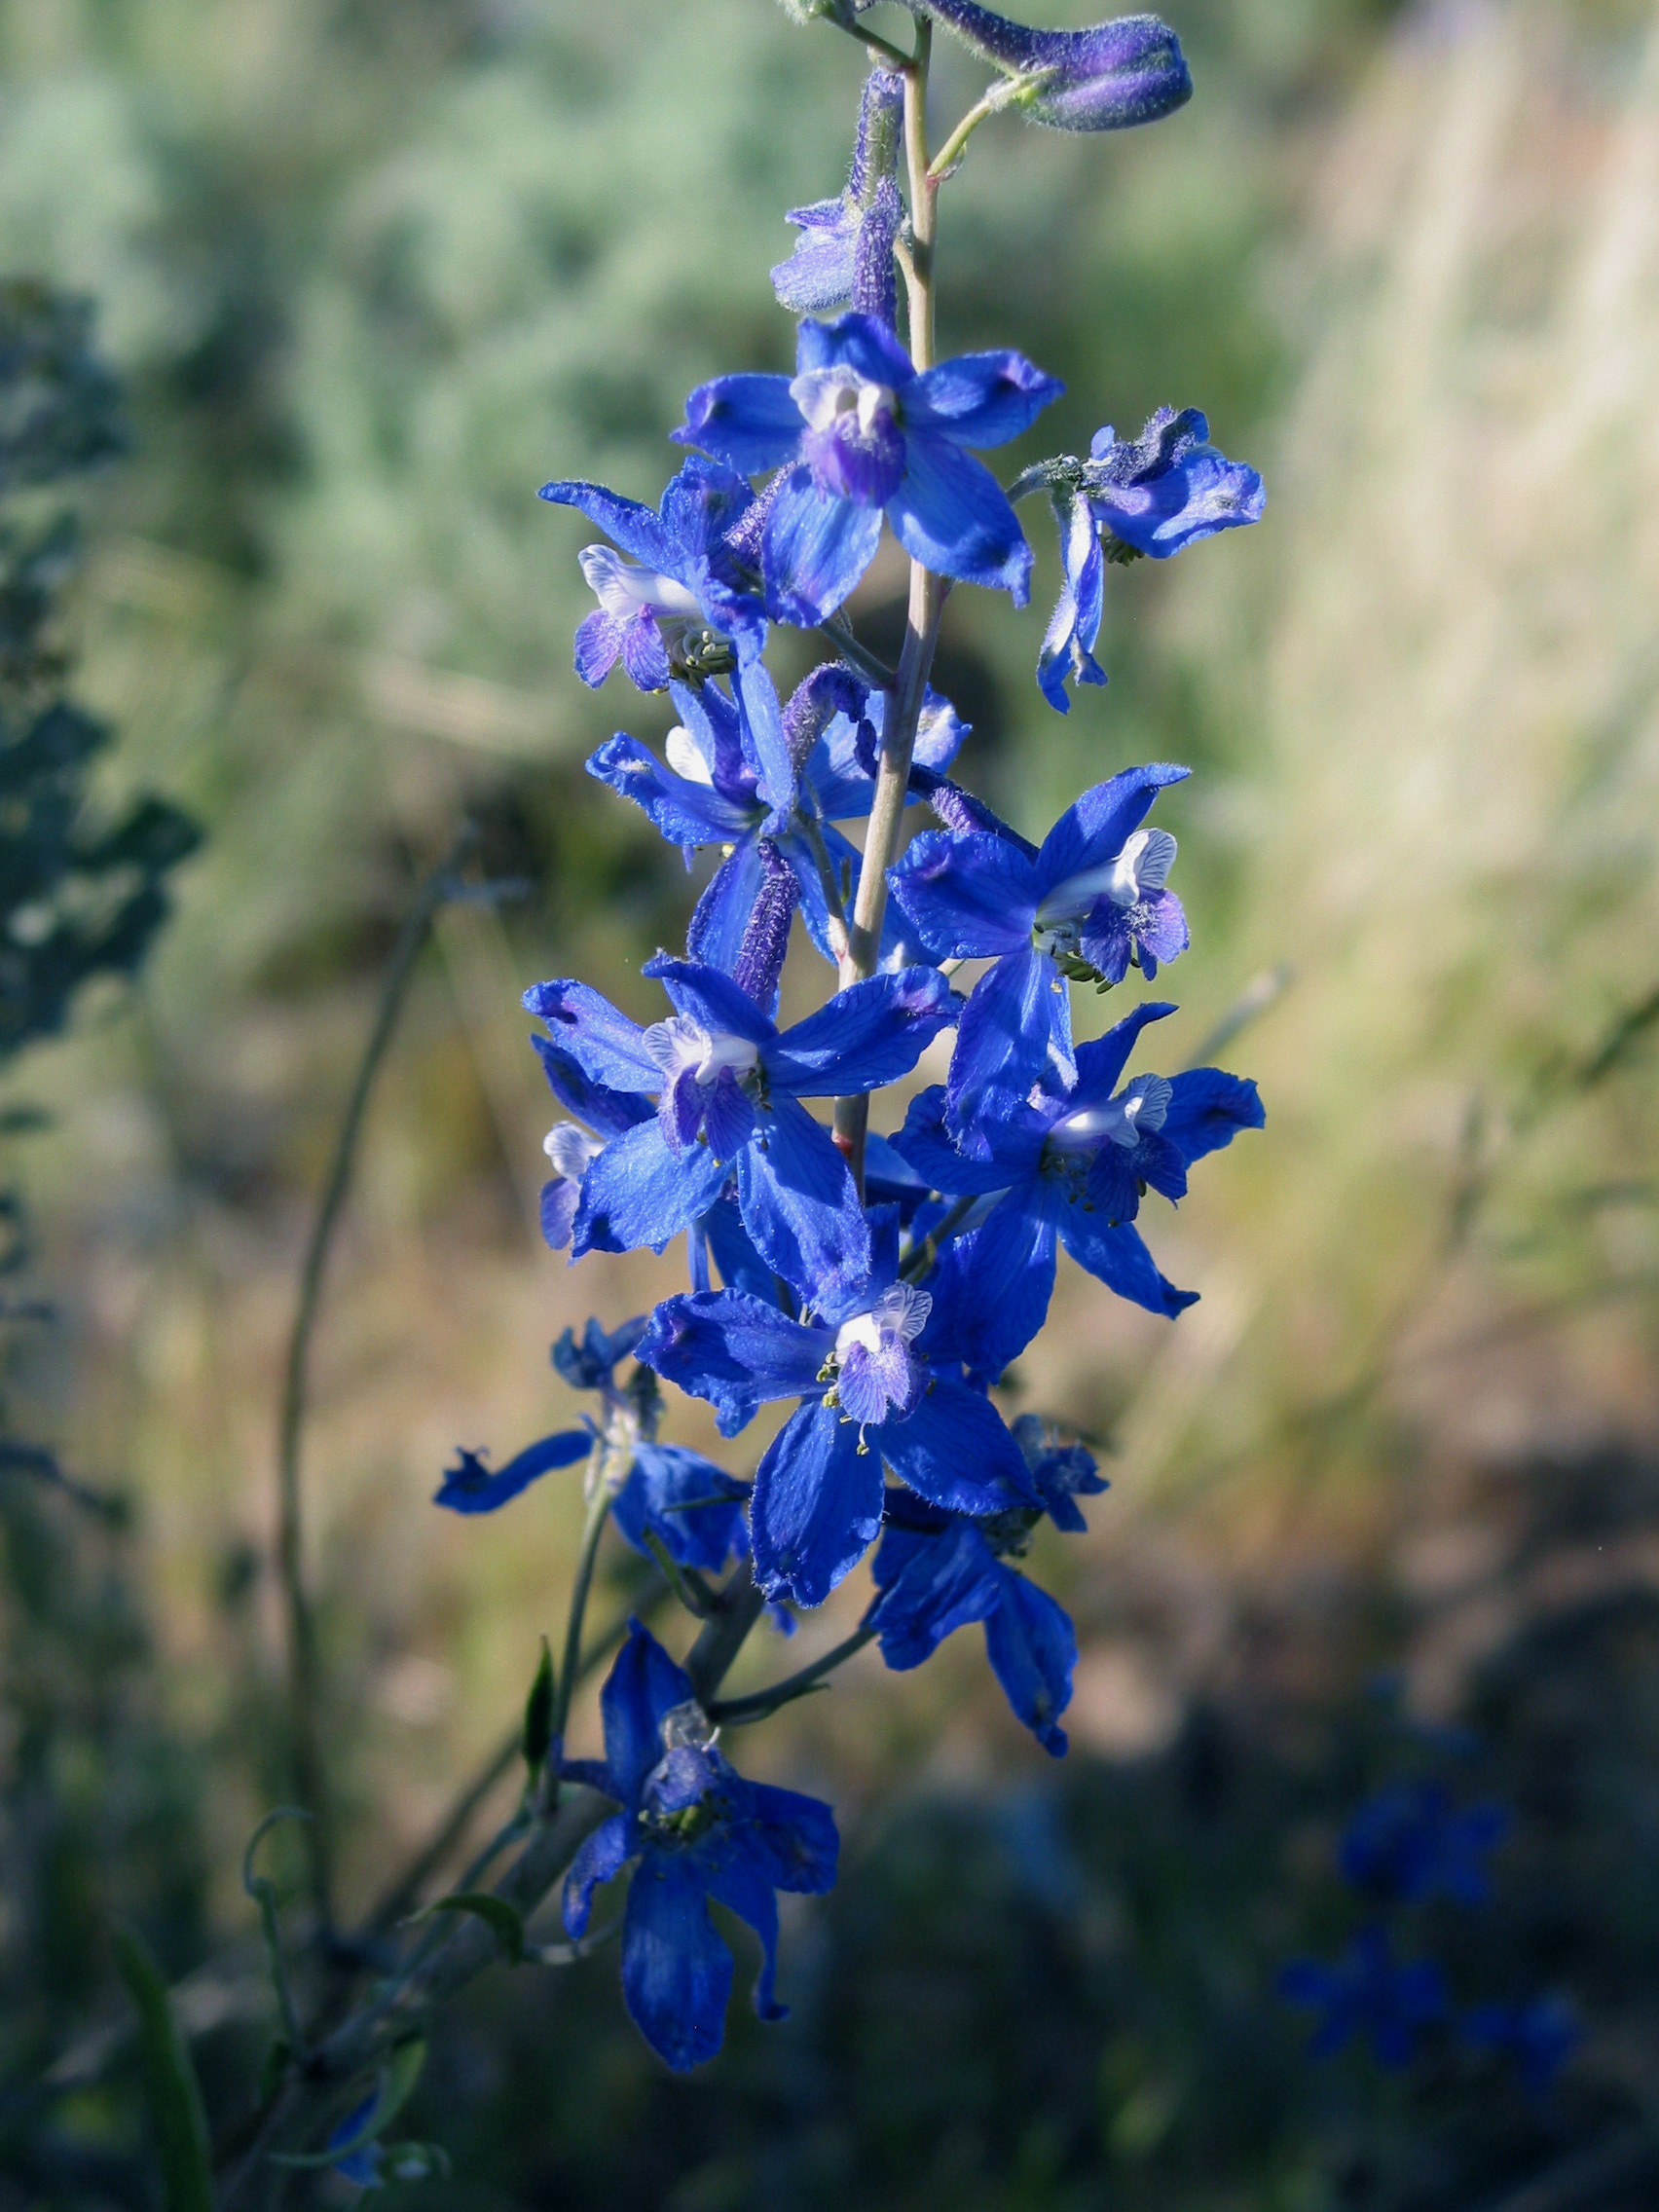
{"x": 304, "y": 1672}
{"x": 857, "y": 656}
{"x": 920, "y": 1261}
{"x": 1005, "y": 94}
{"x": 927, "y": 604}
{"x": 736, "y": 1711}
{"x": 599, "y": 1507}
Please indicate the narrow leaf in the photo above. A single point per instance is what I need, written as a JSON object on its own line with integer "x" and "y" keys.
{"x": 170, "y": 2088}
{"x": 497, "y": 1915}
{"x": 397, "y": 2081}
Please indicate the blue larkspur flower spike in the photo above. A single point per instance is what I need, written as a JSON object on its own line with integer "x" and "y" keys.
{"x": 678, "y": 590}
{"x": 695, "y": 1830}
{"x": 870, "y": 1389}
{"x": 1366, "y": 1994}
{"x": 1108, "y": 77}
{"x": 844, "y": 256}
{"x": 857, "y": 434}
{"x": 1092, "y": 899}
{"x": 1068, "y": 1167}
{"x": 729, "y": 1086}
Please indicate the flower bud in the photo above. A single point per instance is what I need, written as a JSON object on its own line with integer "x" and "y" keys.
{"x": 1105, "y": 77}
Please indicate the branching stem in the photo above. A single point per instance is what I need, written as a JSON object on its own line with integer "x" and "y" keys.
{"x": 735, "y": 1711}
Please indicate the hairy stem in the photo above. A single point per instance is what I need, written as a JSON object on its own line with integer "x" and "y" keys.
{"x": 927, "y": 602}
{"x": 304, "y": 1684}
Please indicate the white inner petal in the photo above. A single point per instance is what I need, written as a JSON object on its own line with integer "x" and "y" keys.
{"x": 623, "y": 587}
{"x": 824, "y": 394}
{"x": 679, "y": 1043}
{"x": 1143, "y": 866}
{"x": 570, "y": 1150}
{"x": 684, "y": 759}
{"x": 1143, "y": 1106}
{"x": 902, "y": 1311}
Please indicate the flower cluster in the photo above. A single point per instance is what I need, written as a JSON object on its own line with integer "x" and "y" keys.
{"x": 1407, "y": 1845}
{"x": 877, "y": 1284}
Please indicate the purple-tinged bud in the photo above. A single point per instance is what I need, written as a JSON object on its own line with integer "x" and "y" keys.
{"x": 766, "y": 938}
{"x": 875, "y": 278}
{"x": 829, "y": 690}
{"x": 1108, "y": 77}
{"x": 881, "y": 122}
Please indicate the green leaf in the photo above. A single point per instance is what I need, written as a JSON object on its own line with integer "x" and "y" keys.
{"x": 500, "y": 1918}
{"x": 171, "y": 2087}
{"x": 539, "y": 1714}
{"x": 398, "y": 2077}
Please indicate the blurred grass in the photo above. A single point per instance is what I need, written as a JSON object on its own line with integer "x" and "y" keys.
{"x": 371, "y": 272}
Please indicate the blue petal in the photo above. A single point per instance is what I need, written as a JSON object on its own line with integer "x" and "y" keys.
{"x": 956, "y": 1452}
{"x": 1068, "y": 642}
{"x": 607, "y": 1111}
{"x": 642, "y": 1685}
{"x": 950, "y": 514}
{"x": 1113, "y": 1254}
{"x": 676, "y": 1971}
{"x": 732, "y": 1879}
{"x": 557, "y": 1211}
{"x": 684, "y": 812}
{"x": 890, "y": 1180}
{"x": 792, "y": 1840}
{"x": 1207, "y": 1109}
{"x": 638, "y": 1192}
{"x": 799, "y": 1202}
{"x": 715, "y": 938}
{"x": 967, "y": 898}
{"x": 741, "y": 1265}
{"x": 816, "y": 1508}
{"x": 1033, "y": 1649}
{"x": 865, "y": 344}
{"x": 1014, "y": 1147}
{"x": 702, "y": 503}
{"x": 979, "y": 399}
{"x": 864, "y": 1037}
{"x": 1100, "y": 1063}
{"x": 819, "y": 273}
{"x": 1095, "y": 829}
{"x": 1203, "y": 494}
{"x": 713, "y": 1001}
{"x": 604, "y": 1044}
{"x": 748, "y": 420}
{"x": 813, "y": 550}
{"x": 1013, "y": 1035}
{"x": 735, "y": 1350}
{"x": 1005, "y": 1273}
{"x": 470, "y": 1488}
{"x": 715, "y": 727}
{"x": 931, "y": 1585}
{"x": 600, "y": 1858}
{"x": 693, "y": 1509}
{"x": 763, "y": 725}
{"x": 637, "y": 529}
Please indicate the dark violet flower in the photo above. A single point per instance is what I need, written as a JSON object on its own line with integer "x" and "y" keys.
{"x": 1108, "y": 77}
{"x": 936, "y": 1571}
{"x": 1365, "y": 1994}
{"x": 857, "y": 434}
{"x": 1409, "y": 1842}
{"x": 1538, "y": 2037}
{"x": 870, "y": 1390}
{"x": 1169, "y": 488}
{"x": 1067, "y": 1166}
{"x": 695, "y": 1830}
{"x": 689, "y": 1505}
{"x": 1062, "y": 1472}
{"x": 683, "y": 586}
{"x": 1093, "y": 901}
{"x": 729, "y": 1089}
{"x": 844, "y": 256}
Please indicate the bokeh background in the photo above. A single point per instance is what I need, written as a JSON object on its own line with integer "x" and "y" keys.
{"x": 369, "y": 270}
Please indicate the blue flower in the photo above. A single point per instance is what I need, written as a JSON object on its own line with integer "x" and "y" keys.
{"x": 1061, "y": 1472}
{"x": 936, "y": 1571}
{"x": 1068, "y": 1167}
{"x": 691, "y": 1507}
{"x": 870, "y": 1389}
{"x": 1538, "y": 2037}
{"x": 1169, "y": 488}
{"x": 1093, "y": 900}
{"x": 764, "y": 782}
{"x": 1107, "y": 77}
{"x": 1409, "y": 1842}
{"x": 571, "y": 1147}
{"x": 1068, "y": 643}
{"x": 729, "y": 1088}
{"x": 857, "y": 434}
{"x": 684, "y": 578}
{"x": 1366, "y": 1994}
{"x": 699, "y": 1831}
{"x": 845, "y": 251}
